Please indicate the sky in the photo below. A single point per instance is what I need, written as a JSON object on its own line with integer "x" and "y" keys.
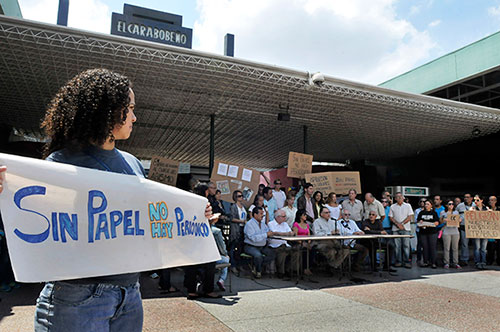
{"x": 368, "y": 41}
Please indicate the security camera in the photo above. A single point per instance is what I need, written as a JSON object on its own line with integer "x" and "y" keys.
{"x": 316, "y": 79}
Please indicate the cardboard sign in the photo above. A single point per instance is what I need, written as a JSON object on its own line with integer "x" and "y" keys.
{"x": 163, "y": 170}
{"x": 66, "y": 222}
{"x": 336, "y": 182}
{"x": 229, "y": 177}
{"x": 299, "y": 165}
{"x": 482, "y": 224}
{"x": 453, "y": 220}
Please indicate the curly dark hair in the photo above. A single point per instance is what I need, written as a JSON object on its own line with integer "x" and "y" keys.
{"x": 86, "y": 110}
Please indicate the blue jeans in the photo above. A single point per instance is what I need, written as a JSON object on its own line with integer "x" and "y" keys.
{"x": 64, "y": 307}
{"x": 464, "y": 247}
{"x": 406, "y": 247}
{"x": 480, "y": 250}
{"x": 223, "y": 272}
{"x": 260, "y": 255}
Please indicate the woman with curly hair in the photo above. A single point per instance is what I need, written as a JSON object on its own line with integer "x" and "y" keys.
{"x": 83, "y": 121}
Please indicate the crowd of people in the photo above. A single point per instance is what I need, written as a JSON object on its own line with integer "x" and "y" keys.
{"x": 96, "y": 108}
{"x": 277, "y": 212}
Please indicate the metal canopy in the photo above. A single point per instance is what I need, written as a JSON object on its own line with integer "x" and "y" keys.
{"x": 177, "y": 90}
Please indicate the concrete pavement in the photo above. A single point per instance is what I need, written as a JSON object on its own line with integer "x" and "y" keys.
{"x": 415, "y": 300}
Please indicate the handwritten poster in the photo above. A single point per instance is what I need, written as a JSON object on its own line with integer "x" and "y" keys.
{"x": 336, "y": 182}
{"x": 453, "y": 220}
{"x": 66, "y": 222}
{"x": 482, "y": 224}
{"x": 299, "y": 165}
{"x": 163, "y": 170}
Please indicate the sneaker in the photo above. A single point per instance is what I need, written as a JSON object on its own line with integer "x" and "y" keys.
{"x": 220, "y": 284}
{"x": 258, "y": 275}
{"x": 446, "y": 266}
{"x": 407, "y": 266}
{"x": 434, "y": 266}
{"x": 308, "y": 272}
{"x": 398, "y": 265}
{"x": 458, "y": 266}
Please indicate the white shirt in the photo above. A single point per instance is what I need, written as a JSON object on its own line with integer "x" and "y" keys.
{"x": 280, "y": 228}
{"x": 280, "y": 198}
{"x": 334, "y": 211}
{"x": 355, "y": 208}
{"x": 242, "y": 213}
{"x": 399, "y": 213}
{"x": 290, "y": 215}
{"x": 374, "y": 206}
{"x": 347, "y": 228}
{"x": 323, "y": 227}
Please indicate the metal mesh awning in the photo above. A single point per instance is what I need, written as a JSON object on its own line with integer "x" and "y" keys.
{"x": 177, "y": 90}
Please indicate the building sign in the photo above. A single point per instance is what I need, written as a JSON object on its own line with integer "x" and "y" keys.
{"x": 152, "y": 25}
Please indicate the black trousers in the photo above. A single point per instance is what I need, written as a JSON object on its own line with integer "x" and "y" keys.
{"x": 429, "y": 244}
{"x": 493, "y": 248}
{"x": 164, "y": 279}
{"x": 206, "y": 272}
{"x": 6, "y": 274}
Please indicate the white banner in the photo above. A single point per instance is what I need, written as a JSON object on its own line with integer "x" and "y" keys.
{"x": 65, "y": 222}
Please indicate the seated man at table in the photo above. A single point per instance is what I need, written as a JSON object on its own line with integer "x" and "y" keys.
{"x": 331, "y": 249}
{"x": 256, "y": 234}
{"x": 348, "y": 227}
{"x": 282, "y": 249}
{"x": 372, "y": 225}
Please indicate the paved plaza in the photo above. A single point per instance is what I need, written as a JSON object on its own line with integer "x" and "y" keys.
{"x": 413, "y": 300}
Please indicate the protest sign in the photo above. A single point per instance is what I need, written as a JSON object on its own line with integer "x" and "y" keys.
{"x": 299, "y": 165}
{"x": 229, "y": 177}
{"x": 482, "y": 224}
{"x": 163, "y": 170}
{"x": 453, "y": 220}
{"x": 66, "y": 222}
{"x": 336, "y": 182}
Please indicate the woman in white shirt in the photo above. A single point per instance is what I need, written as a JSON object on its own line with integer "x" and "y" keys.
{"x": 289, "y": 209}
{"x": 333, "y": 206}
